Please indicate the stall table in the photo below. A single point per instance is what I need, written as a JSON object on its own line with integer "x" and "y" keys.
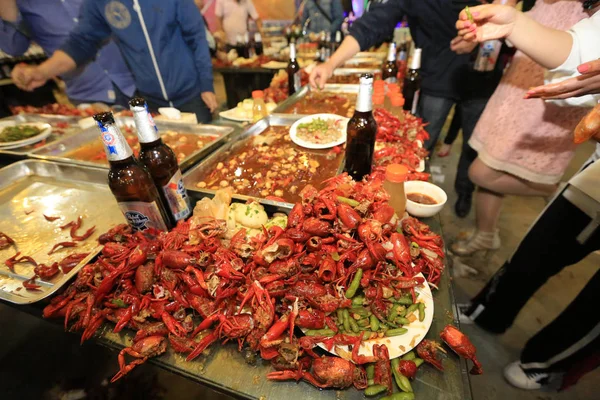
{"x": 241, "y": 81}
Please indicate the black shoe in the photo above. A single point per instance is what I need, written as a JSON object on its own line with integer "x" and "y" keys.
{"x": 463, "y": 204}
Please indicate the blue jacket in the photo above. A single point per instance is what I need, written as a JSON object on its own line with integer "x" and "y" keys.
{"x": 318, "y": 23}
{"x": 49, "y": 23}
{"x": 163, "y": 43}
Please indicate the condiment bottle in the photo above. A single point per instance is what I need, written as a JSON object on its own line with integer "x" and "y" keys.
{"x": 259, "y": 110}
{"x": 395, "y": 176}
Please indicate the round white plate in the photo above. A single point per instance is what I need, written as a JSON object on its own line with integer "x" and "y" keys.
{"x": 310, "y": 145}
{"x": 46, "y": 130}
{"x": 396, "y": 345}
{"x": 233, "y": 115}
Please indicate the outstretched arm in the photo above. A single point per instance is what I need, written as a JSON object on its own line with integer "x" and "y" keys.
{"x": 548, "y": 47}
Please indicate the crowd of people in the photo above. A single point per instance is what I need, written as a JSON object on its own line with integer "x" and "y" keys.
{"x": 517, "y": 120}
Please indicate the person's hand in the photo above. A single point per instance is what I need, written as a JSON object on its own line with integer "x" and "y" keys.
{"x": 490, "y": 22}
{"x": 461, "y": 46}
{"x": 210, "y": 100}
{"x": 28, "y": 77}
{"x": 319, "y": 75}
{"x": 586, "y": 83}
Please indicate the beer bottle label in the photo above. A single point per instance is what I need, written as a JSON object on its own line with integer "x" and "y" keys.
{"x": 141, "y": 215}
{"x": 415, "y": 103}
{"x": 114, "y": 142}
{"x": 147, "y": 130}
{"x": 176, "y": 195}
{"x": 297, "y": 82}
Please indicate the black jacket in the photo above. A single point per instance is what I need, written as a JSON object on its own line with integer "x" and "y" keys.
{"x": 432, "y": 26}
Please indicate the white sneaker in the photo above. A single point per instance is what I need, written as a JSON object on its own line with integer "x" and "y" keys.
{"x": 463, "y": 318}
{"x": 516, "y": 376}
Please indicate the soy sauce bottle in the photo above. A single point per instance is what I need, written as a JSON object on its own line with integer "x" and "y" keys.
{"x": 161, "y": 162}
{"x": 361, "y": 132}
{"x": 129, "y": 181}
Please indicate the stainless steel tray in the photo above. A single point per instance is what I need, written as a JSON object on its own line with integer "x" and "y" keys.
{"x": 353, "y": 71}
{"x": 296, "y": 97}
{"x": 31, "y": 188}
{"x": 54, "y": 136}
{"x": 370, "y": 54}
{"x": 57, "y": 151}
{"x": 194, "y": 175}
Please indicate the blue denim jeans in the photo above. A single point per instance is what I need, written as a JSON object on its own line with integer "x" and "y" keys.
{"x": 434, "y": 111}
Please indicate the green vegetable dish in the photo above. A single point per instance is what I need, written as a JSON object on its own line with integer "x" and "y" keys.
{"x": 19, "y": 132}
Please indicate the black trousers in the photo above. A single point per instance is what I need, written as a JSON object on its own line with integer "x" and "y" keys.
{"x": 572, "y": 340}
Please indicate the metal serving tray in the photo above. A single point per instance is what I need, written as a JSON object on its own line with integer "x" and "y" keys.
{"x": 196, "y": 174}
{"x": 356, "y": 71}
{"x": 24, "y": 151}
{"x": 57, "y": 151}
{"x": 370, "y": 54}
{"x": 305, "y": 90}
{"x": 28, "y": 190}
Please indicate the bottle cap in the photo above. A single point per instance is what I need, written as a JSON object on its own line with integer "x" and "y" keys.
{"x": 258, "y": 94}
{"x": 396, "y": 173}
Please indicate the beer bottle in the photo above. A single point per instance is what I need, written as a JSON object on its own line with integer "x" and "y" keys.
{"x": 161, "y": 162}
{"x": 322, "y": 47}
{"x": 412, "y": 83}
{"x": 293, "y": 71}
{"x": 402, "y": 57}
{"x": 338, "y": 41}
{"x": 389, "y": 72}
{"x": 361, "y": 132}
{"x": 258, "y": 44}
{"x": 129, "y": 181}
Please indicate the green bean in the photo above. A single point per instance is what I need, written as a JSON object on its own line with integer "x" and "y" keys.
{"x": 421, "y": 307}
{"x": 319, "y": 332}
{"x": 354, "y": 284}
{"x": 358, "y": 300}
{"x": 370, "y": 382}
{"x": 469, "y": 15}
{"x": 399, "y": 396}
{"x": 353, "y": 325}
{"x": 370, "y": 369}
{"x": 374, "y": 323}
{"x": 350, "y": 202}
{"x": 360, "y": 311}
{"x": 418, "y": 361}
{"x": 364, "y": 323}
{"x": 340, "y": 315}
{"x": 374, "y": 390}
{"x": 411, "y": 308}
{"x": 335, "y": 256}
{"x": 383, "y": 326}
{"x": 346, "y": 323}
{"x": 402, "y": 321}
{"x": 393, "y": 314}
{"x": 402, "y": 381}
{"x": 396, "y": 332}
{"x": 409, "y": 356}
{"x": 406, "y": 301}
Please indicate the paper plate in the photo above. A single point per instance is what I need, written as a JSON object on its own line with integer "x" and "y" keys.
{"x": 46, "y": 130}
{"x": 396, "y": 345}
{"x": 310, "y": 118}
{"x": 233, "y": 115}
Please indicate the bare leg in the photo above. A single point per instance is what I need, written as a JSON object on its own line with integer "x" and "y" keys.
{"x": 504, "y": 183}
{"x": 487, "y": 209}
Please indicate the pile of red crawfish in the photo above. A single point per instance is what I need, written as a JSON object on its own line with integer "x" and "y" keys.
{"x": 400, "y": 142}
{"x": 190, "y": 288}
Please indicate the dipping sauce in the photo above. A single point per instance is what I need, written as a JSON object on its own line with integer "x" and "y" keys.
{"x": 318, "y": 102}
{"x": 182, "y": 144}
{"x": 270, "y": 165}
{"x": 421, "y": 198}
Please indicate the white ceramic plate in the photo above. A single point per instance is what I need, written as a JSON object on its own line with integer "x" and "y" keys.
{"x": 46, "y": 130}
{"x": 396, "y": 345}
{"x": 310, "y": 118}
{"x": 234, "y": 115}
